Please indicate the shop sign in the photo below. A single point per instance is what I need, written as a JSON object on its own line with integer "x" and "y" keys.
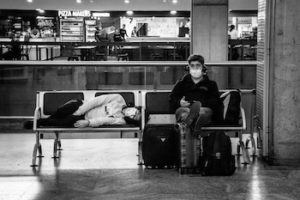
{"x": 74, "y": 13}
{"x": 244, "y": 20}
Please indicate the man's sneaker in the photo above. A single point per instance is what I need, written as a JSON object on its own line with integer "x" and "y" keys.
{"x": 194, "y": 113}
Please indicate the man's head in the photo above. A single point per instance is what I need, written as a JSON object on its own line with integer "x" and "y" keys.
{"x": 232, "y": 27}
{"x": 196, "y": 66}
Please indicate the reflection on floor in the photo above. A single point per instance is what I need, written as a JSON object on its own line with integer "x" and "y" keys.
{"x": 107, "y": 169}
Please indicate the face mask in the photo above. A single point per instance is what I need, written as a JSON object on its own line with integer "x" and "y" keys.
{"x": 196, "y": 73}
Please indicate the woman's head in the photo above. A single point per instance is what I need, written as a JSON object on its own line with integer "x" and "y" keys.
{"x": 132, "y": 113}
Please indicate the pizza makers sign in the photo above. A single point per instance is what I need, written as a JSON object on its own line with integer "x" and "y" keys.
{"x": 74, "y": 13}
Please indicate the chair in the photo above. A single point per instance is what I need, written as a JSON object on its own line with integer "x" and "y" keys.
{"x": 101, "y": 53}
{"x": 70, "y": 52}
{"x": 25, "y": 52}
{"x": 121, "y": 54}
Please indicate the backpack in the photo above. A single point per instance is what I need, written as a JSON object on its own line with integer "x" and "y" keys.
{"x": 232, "y": 105}
{"x": 217, "y": 159}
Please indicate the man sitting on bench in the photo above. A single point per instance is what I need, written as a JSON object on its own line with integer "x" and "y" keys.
{"x": 108, "y": 109}
{"x": 196, "y": 97}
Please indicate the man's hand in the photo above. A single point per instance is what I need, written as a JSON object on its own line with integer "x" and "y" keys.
{"x": 184, "y": 103}
{"x": 77, "y": 113}
{"x": 82, "y": 123}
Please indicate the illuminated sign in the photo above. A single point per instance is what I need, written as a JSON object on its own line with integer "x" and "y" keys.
{"x": 74, "y": 13}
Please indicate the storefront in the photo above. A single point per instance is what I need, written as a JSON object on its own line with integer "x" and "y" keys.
{"x": 39, "y": 23}
{"x": 244, "y": 24}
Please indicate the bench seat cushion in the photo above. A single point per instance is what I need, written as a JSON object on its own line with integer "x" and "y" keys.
{"x": 53, "y": 100}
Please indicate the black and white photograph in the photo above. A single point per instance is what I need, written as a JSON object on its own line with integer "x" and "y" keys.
{"x": 149, "y": 100}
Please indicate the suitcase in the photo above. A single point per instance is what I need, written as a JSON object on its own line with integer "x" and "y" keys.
{"x": 159, "y": 146}
{"x": 189, "y": 151}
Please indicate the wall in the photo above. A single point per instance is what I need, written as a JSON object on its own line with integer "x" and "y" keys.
{"x": 243, "y": 4}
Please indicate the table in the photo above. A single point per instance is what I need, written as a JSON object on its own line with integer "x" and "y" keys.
{"x": 85, "y": 51}
{"x": 131, "y": 53}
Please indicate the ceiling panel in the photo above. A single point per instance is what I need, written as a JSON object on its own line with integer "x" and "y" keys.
{"x": 97, "y": 5}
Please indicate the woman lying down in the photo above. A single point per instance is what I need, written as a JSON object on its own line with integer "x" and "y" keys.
{"x": 108, "y": 109}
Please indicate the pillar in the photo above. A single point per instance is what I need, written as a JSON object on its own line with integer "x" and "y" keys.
{"x": 285, "y": 82}
{"x": 209, "y": 35}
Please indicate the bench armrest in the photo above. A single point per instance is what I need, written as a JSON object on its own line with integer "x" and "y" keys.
{"x": 243, "y": 118}
{"x": 37, "y": 115}
{"x": 143, "y": 120}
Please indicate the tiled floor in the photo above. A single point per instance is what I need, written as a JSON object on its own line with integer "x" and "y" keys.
{"x": 107, "y": 169}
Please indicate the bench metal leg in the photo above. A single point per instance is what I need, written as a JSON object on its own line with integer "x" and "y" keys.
{"x": 40, "y": 151}
{"x": 140, "y": 142}
{"x": 36, "y": 149}
{"x": 242, "y": 147}
{"x": 57, "y": 145}
{"x": 253, "y": 145}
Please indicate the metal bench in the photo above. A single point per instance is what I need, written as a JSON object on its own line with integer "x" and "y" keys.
{"x": 48, "y": 101}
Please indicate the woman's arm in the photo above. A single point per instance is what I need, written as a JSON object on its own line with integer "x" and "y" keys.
{"x": 99, "y": 101}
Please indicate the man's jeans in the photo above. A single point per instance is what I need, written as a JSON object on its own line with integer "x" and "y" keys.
{"x": 204, "y": 118}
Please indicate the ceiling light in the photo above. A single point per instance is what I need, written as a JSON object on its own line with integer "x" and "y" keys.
{"x": 174, "y": 1}
{"x": 40, "y": 10}
{"x": 164, "y": 1}
{"x": 129, "y": 12}
{"x": 173, "y": 12}
{"x": 29, "y": 1}
{"x": 78, "y": 1}
{"x": 126, "y": 1}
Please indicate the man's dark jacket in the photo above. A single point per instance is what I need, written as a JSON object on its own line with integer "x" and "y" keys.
{"x": 205, "y": 91}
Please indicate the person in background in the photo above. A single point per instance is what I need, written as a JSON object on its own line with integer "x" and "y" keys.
{"x": 195, "y": 97}
{"x": 27, "y": 37}
{"x": 232, "y": 33}
{"x": 188, "y": 27}
{"x": 123, "y": 32}
{"x": 101, "y": 36}
{"x": 97, "y": 32}
{"x": 14, "y": 49}
{"x": 182, "y": 30}
{"x": 117, "y": 36}
{"x": 254, "y": 33}
{"x": 134, "y": 32}
{"x": 35, "y": 33}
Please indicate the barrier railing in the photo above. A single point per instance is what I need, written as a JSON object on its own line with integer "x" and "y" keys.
{"x": 19, "y": 80}
{"x": 89, "y": 51}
